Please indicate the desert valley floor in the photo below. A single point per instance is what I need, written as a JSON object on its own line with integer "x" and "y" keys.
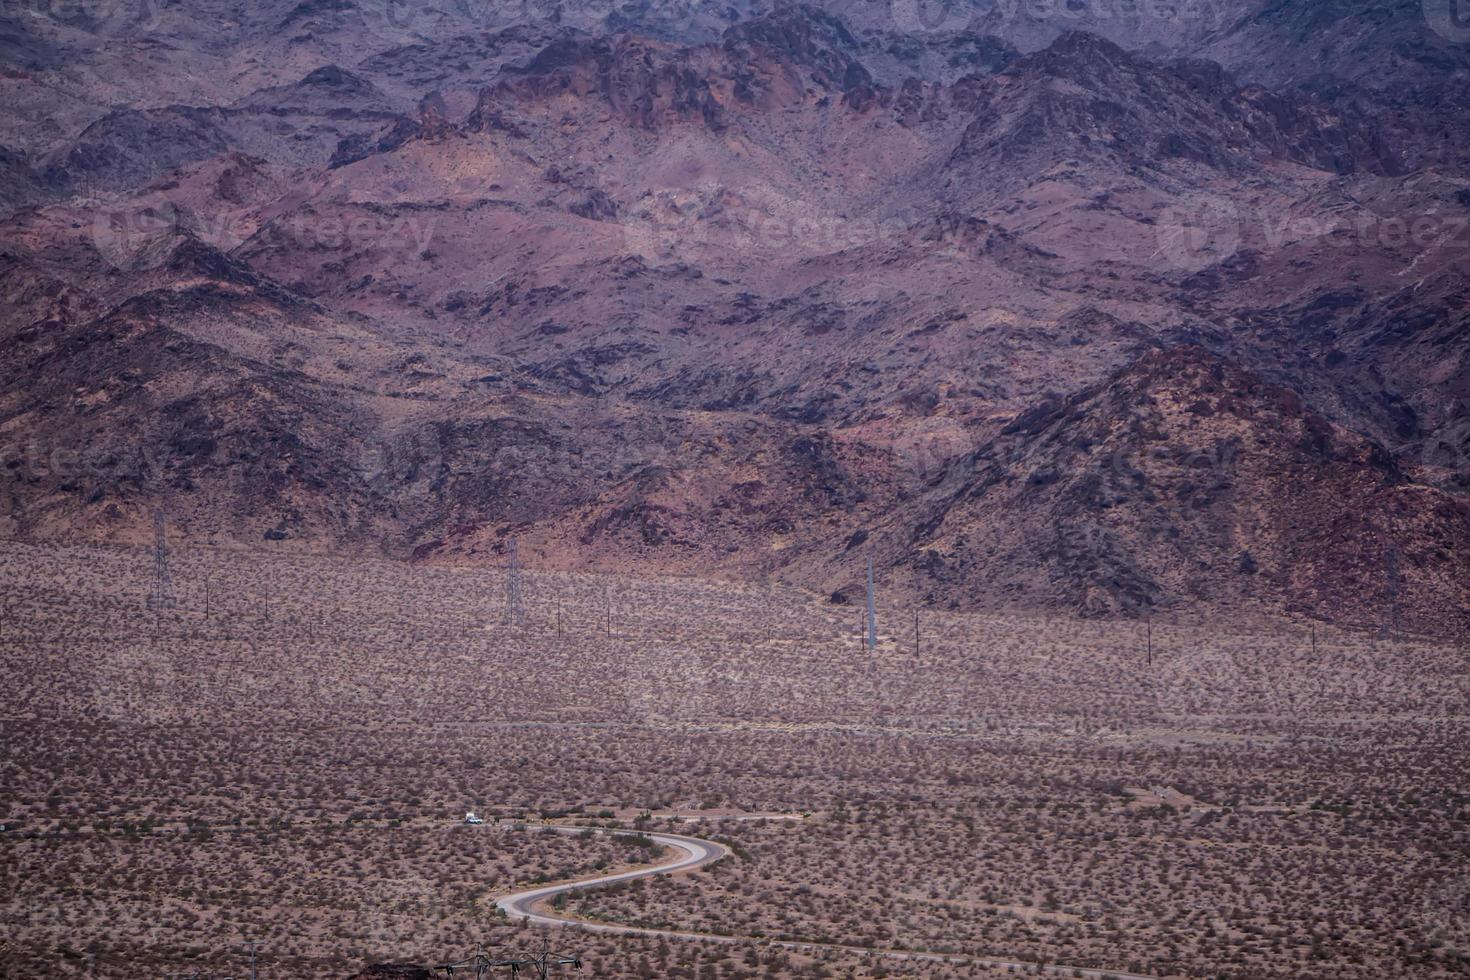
{"x": 287, "y": 756}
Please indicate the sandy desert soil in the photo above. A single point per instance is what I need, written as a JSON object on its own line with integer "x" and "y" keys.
{"x": 286, "y": 754}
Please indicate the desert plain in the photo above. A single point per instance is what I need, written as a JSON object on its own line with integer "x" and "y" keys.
{"x": 286, "y": 755}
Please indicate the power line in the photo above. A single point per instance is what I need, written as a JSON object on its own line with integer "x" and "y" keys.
{"x": 514, "y": 614}
{"x": 1392, "y": 582}
{"x": 872, "y": 616}
{"x": 161, "y": 596}
{"x": 479, "y": 963}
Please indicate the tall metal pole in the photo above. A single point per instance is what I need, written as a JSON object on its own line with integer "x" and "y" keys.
{"x": 1149, "y": 621}
{"x": 513, "y": 614}
{"x": 1391, "y": 574}
{"x": 162, "y": 595}
{"x": 251, "y": 944}
{"x": 872, "y": 616}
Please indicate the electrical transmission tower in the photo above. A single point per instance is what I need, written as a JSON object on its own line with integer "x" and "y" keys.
{"x": 872, "y": 616}
{"x": 514, "y": 614}
{"x": 543, "y": 961}
{"x": 1393, "y": 582}
{"x": 252, "y": 945}
{"x": 162, "y": 594}
{"x": 480, "y": 963}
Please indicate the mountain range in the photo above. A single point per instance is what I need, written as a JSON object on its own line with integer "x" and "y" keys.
{"x": 1114, "y": 308}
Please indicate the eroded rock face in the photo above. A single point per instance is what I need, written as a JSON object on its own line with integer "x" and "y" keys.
{"x": 1101, "y": 315}
{"x": 1185, "y": 475}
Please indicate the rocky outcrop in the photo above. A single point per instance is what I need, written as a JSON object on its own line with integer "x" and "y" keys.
{"x": 1184, "y": 478}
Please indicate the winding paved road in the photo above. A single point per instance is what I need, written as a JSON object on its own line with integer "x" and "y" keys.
{"x": 691, "y": 853}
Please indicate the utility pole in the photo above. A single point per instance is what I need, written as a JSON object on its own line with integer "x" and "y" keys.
{"x": 544, "y": 960}
{"x": 1391, "y": 574}
{"x": 540, "y": 963}
{"x": 872, "y": 616}
{"x": 558, "y": 617}
{"x": 1149, "y": 626}
{"x": 513, "y": 613}
{"x": 162, "y": 595}
{"x": 252, "y": 944}
{"x": 609, "y": 612}
{"x": 1314, "y": 639}
{"x": 916, "y": 631}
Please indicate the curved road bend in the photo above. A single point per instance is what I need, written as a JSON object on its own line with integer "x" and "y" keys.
{"x": 690, "y": 853}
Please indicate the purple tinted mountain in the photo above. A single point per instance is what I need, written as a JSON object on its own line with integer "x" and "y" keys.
{"x": 1184, "y": 475}
{"x": 1033, "y": 315}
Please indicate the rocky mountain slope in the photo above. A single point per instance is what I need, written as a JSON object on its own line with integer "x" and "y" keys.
{"x": 1034, "y": 311}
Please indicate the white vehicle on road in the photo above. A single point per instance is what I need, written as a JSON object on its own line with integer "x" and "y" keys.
{"x": 470, "y": 818}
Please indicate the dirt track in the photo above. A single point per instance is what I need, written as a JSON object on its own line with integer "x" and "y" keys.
{"x": 691, "y": 853}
